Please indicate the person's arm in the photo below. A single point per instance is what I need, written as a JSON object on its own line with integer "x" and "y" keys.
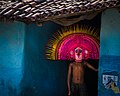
{"x": 68, "y": 79}
{"x": 91, "y": 67}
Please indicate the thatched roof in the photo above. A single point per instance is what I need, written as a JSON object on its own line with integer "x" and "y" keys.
{"x": 34, "y": 12}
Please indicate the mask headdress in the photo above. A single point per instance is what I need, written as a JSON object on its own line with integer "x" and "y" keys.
{"x": 62, "y": 45}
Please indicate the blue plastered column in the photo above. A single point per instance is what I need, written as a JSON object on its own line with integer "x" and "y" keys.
{"x": 11, "y": 57}
{"x": 109, "y": 63}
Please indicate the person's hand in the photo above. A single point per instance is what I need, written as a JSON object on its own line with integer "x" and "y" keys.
{"x": 68, "y": 93}
{"x": 96, "y": 70}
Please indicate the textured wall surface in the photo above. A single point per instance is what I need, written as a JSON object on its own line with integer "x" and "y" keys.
{"x": 109, "y": 50}
{"x": 11, "y": 57}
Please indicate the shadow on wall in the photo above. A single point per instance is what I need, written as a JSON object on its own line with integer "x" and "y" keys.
{"x": 28, "y": 91}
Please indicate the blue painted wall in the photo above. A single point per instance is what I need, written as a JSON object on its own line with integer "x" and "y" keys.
{"x": 11, "y": 57}
{"x": 109, "y": 49}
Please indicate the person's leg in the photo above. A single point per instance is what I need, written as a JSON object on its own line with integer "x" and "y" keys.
{"x": 82, "y": 90}
{"x": 74, "y": 90}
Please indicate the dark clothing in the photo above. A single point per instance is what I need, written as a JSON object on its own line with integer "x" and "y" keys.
{"x": 78, "y": 90}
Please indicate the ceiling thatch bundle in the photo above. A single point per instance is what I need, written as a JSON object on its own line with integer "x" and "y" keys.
{"x": 32, "y": 11}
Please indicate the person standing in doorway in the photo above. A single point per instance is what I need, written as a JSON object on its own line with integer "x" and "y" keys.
{"x": 76, "y": 70}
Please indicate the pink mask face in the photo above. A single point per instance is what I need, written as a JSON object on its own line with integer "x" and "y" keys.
{"x": 78, "y": 54}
